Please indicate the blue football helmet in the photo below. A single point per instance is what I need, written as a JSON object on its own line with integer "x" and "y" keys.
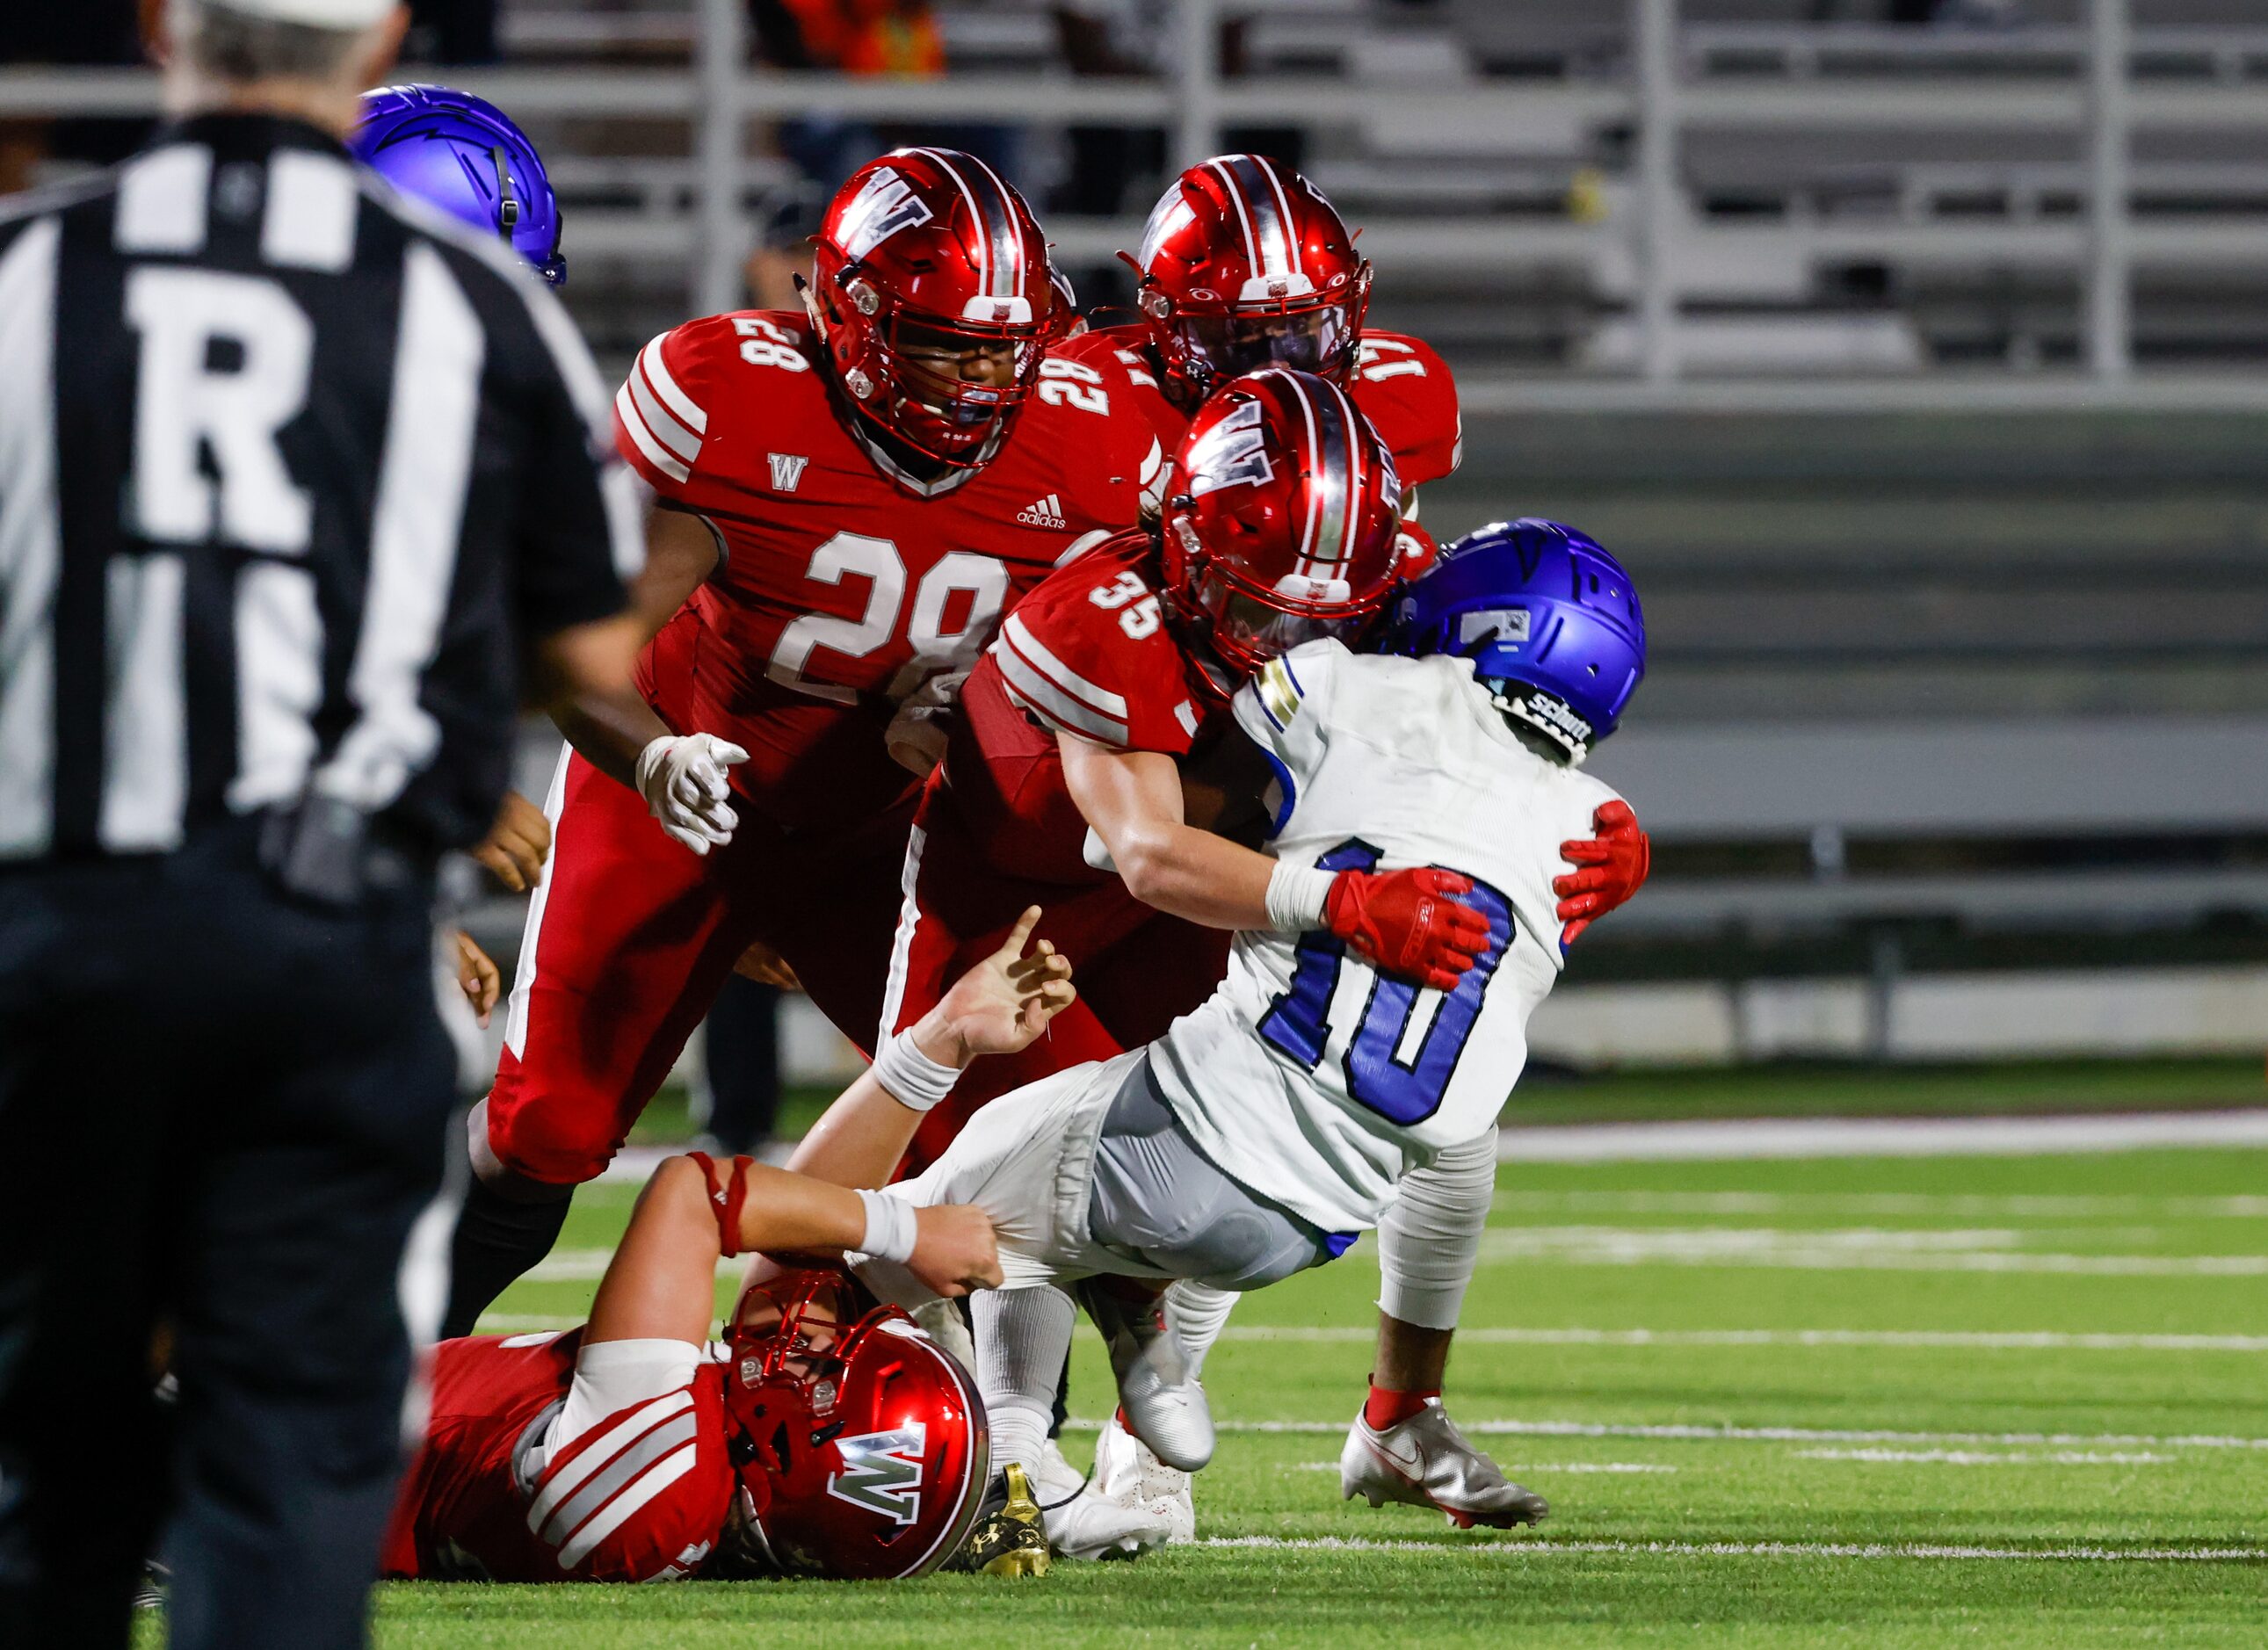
{"x": 1549, "y": 620}
{"x": 457, "y": 152}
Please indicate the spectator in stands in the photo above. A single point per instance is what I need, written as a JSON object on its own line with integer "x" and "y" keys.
{"x": 853, "y": 37}
{"x": 1117, "y": 169}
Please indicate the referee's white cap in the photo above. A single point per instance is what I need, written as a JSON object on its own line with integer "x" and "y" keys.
{"x": 314, "y": 14}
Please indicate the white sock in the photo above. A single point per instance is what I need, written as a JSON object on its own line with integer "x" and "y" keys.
{"x": 1022, "y": 1335}
{"x": 1196, "y": 1313}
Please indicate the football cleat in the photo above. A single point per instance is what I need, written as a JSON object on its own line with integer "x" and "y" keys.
{"x": 1128, "y": 1474}
{"x": 1083, "y": 1525}
{"x": 1163, "y": 1400}
{"x": 1011, "y": 1538}
{"x": 1426, "y": 1461}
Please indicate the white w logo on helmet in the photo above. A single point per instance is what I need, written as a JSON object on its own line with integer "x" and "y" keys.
{"x": 885, "y": 204}
{"x": 882, "y": 1471}
{"x": 1233, "y": 453}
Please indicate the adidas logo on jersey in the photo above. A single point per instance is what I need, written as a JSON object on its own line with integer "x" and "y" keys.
{"x": 1046, "y": 512}
{"x": 787, "y": 470}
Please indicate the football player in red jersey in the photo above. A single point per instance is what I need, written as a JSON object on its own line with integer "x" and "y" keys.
{"x": 1244, "y": 264}
{"x": 847, "y": 502}
{"x": 630, "y": 1450}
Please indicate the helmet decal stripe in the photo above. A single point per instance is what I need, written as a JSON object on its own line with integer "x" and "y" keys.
{"x": 1351, "y": 427}
{"x": 1000, "y": 250}
{"x": 1265, "y": 215}
{"x": 1337, "y": 473}
{"x": 1009, "y": 242}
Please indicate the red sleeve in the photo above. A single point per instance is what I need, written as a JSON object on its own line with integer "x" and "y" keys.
{"x": 661, "y": 412}
{"x": 1088, "y": 652}
{"x": 1404, "y": 387}
{"x": 643, "y": 1495}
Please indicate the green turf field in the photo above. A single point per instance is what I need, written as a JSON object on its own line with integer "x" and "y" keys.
{"x": 1996, "y": 1401}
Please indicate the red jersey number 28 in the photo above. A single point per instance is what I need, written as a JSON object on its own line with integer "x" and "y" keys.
{"x": 934, "y": 648}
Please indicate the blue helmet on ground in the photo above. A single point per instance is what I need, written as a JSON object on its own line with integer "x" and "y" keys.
{"x": 1549, "y": 620}
{"x": 463, "y": 155}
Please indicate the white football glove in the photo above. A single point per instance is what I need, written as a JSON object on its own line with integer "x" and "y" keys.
{"x": 917, "y": 735}
{"x": 683, "y": 781}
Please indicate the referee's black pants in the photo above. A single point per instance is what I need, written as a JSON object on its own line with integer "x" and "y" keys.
{"x": 220, "y": 1114}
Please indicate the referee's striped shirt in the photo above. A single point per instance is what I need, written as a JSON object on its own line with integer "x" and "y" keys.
{"x": 291, "y": 471}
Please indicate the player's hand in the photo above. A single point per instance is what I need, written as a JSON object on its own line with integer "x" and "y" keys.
{"x": 1003, "y": 1002}
{"x": 955, "y": 1249}
{"x": 686, "y": 785}
{"x": 477, "y": 976}
{"x": 766, "y": 967}
{"x": 1610, "y": 867}
{"x": 517, "y": 845}
{"x": 1409, "y": 923}
{"x": 917, "y": 735}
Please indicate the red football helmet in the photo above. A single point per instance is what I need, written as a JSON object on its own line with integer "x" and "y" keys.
{"x": 1244, "y": 264}
{"x": 1281, "y": 513}
{"x": 859, "y": 1443}
{"x": 935, "y": 297}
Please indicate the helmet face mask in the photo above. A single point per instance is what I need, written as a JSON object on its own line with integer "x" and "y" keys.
{"x": 1280, "y": 522}
{"x": 937, "y": 301}
{"x": 1244, "y": 265}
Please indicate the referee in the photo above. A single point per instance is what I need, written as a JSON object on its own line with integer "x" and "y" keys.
{"x": 299, "y": 497}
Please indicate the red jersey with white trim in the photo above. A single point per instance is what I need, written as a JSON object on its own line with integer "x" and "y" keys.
{"x": 1401, "y": 384}
{"x": 1088, "y": 652}
{"x": 845, "y": 582}
{"x": 642, "y": 1495}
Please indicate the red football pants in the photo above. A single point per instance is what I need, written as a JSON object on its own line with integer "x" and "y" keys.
{"x": 629, "y": 937}
{"x": 1137, "y": 968}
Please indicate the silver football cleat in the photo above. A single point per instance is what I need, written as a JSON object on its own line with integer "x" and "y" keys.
{"x": 1165, "y": 1403}
{"x": 1426, "y": 1461}
{"x": 1128, "y": 1474}
{"x": 1084, "y": 1524}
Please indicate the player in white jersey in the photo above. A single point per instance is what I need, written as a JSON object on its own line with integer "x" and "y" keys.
{"x": 1263, "y": 1132}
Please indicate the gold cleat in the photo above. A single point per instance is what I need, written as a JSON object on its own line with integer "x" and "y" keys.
{"x": 1011, "y": 1539}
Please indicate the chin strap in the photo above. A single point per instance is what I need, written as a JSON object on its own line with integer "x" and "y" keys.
{"x": 726, "y": 1205}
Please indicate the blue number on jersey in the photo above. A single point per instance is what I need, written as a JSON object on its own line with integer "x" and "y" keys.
{"x": 1376, "y": 1077}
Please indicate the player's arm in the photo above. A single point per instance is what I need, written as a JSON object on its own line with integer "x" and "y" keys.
{"x": 680, "y": 554}
{"x": 662, "y": 1281}
{"x": 998, "y": 1007}
{"x": 1132, "y": 799}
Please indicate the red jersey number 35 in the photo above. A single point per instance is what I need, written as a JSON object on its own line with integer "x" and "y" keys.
{"x": 932, "y": 646}
{"x": 1137, "y": 618}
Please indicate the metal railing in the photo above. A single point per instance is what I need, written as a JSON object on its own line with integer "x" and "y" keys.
{"x": 1667, "y": 99}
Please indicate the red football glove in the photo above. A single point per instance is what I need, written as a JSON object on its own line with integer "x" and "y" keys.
{"x": 1408, "y": 922}
{"x": 1609, "y": 868}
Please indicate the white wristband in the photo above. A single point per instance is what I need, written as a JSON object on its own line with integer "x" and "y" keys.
{"x": 890, "y": 1228}
{"x": 913, "y": 1080}
{"x": 1295, "y": 897}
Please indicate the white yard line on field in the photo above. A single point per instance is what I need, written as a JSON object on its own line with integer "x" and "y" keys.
{"x": 1750, "y": 1137}
{"x": 1957, "y": 1340}
{"x": 1967, "y": 1205}
{"x": 1543, "y": 1547}
{"x": 1695, "y": 1433}
{"x": 1992, "y": 1458}
{"x": 1843, "y": 1248}
{"x": 1527, "y": 1467}
{"x": 1966, "y": 1340}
